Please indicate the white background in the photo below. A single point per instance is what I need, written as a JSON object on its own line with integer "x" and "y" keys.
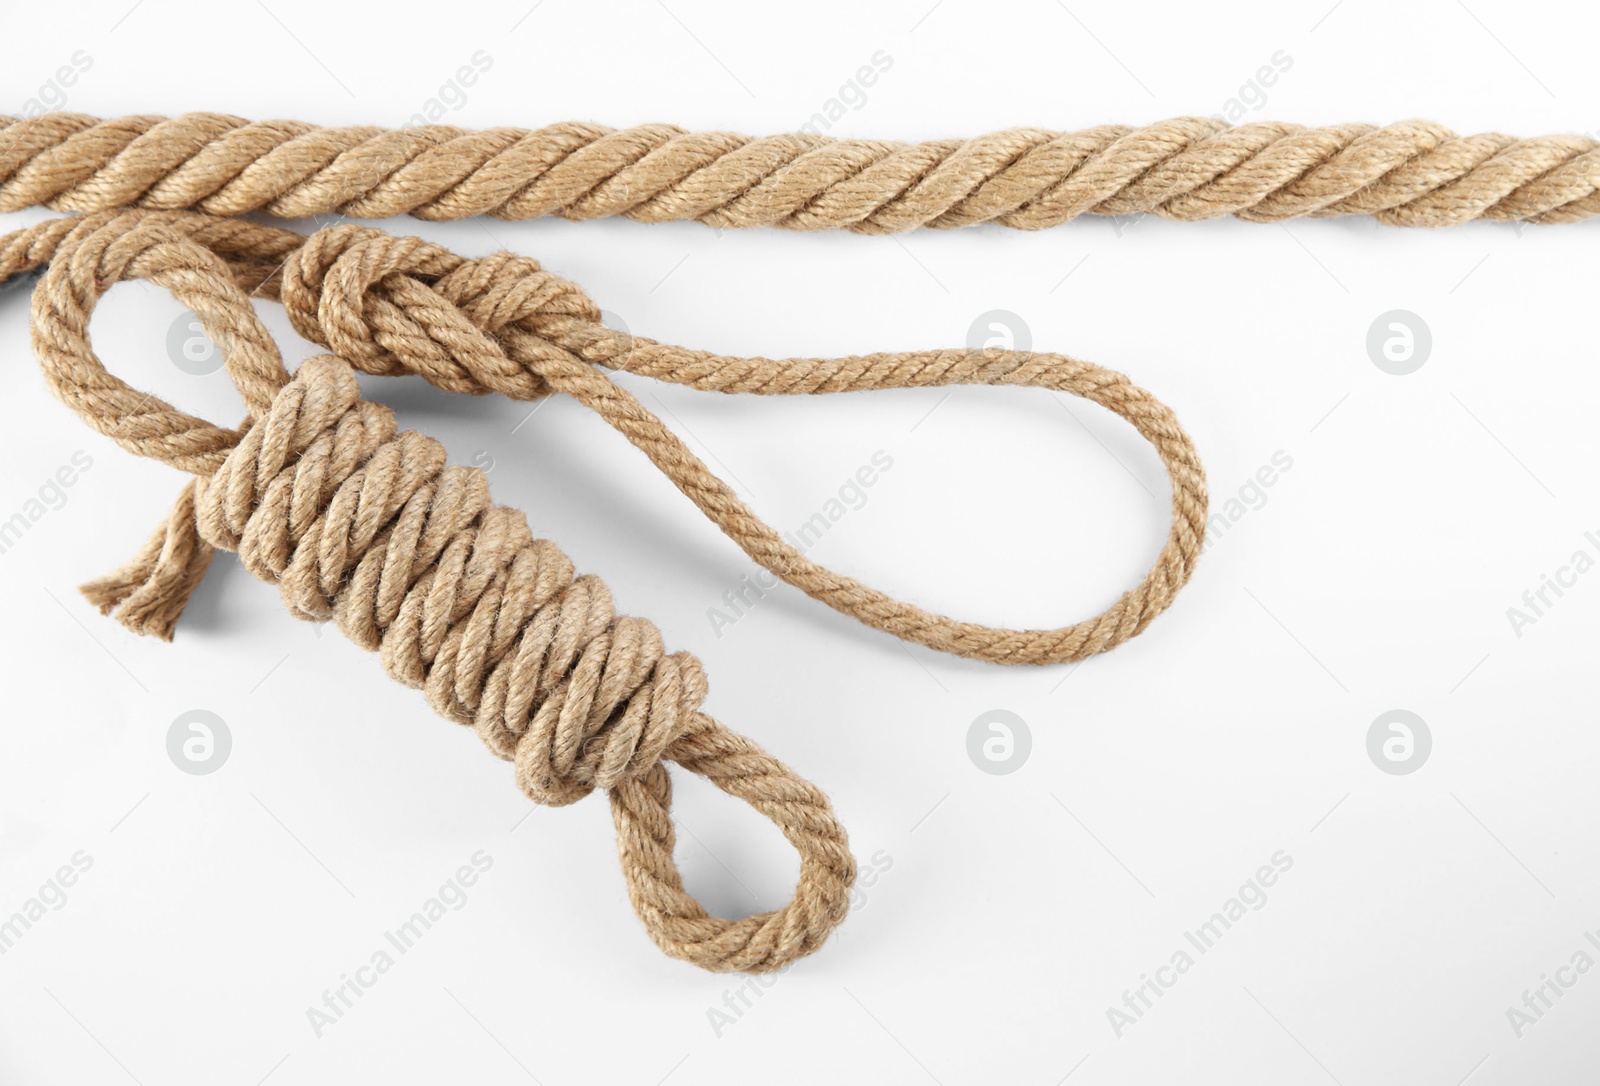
{"x": 1015, "y": 909}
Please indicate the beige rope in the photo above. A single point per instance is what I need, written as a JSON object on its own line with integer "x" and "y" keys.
{"x": 369, "y": 528}
{"x": 1415, "y": 173}
{"x": 503, "y": 324}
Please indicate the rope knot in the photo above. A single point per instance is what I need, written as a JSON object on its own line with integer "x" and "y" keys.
{"x": 372, "y": 529}
{"x": 399, "y": 305}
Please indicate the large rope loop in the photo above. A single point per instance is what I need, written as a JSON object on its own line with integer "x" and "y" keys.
{"x": 503, "y": 324}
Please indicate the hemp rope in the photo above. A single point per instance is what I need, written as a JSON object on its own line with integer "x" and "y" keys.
{"x": 502, "y": 324}
{"x": 1415, "y": 173}
{"x": 369, "y": 528}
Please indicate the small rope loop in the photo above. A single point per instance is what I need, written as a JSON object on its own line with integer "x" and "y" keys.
{"x": 370, "y": 528}
{"x": 149, "y": 593}
{"x": 129, "y": 246}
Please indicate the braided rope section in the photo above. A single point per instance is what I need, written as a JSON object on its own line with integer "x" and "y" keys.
{"x": 1415, "y": 173}
{"x": 369, "y": 528}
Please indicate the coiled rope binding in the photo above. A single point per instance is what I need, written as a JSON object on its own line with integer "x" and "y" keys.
{"x": 369, "y": 528}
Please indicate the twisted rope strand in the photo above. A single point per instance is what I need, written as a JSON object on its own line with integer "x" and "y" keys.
{"x": 503, "y": 324}
{"x": 369, "y": 528}
{"x": 1414, "y": 173}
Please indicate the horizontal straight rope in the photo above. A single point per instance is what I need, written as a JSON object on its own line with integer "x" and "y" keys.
{"x": 1415, "y": 173}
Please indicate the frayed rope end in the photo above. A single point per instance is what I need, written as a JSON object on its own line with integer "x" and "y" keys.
{"x": 149, "y": 593}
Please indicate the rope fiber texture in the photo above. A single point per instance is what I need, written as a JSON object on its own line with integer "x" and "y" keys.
{"x": 1414, "y": 173}
{"x": 369, "y": 528}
